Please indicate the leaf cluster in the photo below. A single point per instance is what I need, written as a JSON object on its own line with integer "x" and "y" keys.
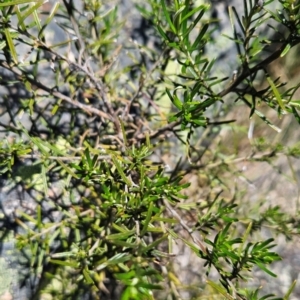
{"x": 104, "y": 208}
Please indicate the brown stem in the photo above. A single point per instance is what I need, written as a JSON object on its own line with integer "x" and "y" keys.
{"x": 246, "y": 72}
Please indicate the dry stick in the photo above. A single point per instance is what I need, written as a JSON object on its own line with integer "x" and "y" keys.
{"x": 250, "y": 158}
{"x": 136, "y": 94}
{"x": 49, "y": 229}
{"x": 246, "y": 72}
{"x": 80, "y": 41}
{"x": 86, "y": 108}
{"x": 142, "y": 80}
{"x": 157, "y": 133}
{"x": 97, "y": 82}
{"x": 188, "y": 229}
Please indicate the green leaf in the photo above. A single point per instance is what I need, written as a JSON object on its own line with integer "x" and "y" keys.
{"x": 63, "y": 254}
{"x": 276, "y": 93}
{"x": 162, "y": 33}
{"x": 264, "y": 244}
{"x": 88, "y": 158}
{"x": 44, "y": 178}
{"x": 119, "y": 258}
{"x": 239, "y": 20}
{"x": 154, "y": 244}
{"x": 199, "y": 122}
{"x": 68, "y": 170}
{"x": 167, "y": 16}
{"x": 274, "y": 15}
{"x": 195, "y": 22}
{"x": 220, "y": 290}
{"x": 285, "y": 50}
{"x": 119, "y": 228}
{"x": 49, "y": 18}
{"x": 176, "y": 101}
{"x": 203, "y": 8}
{"x": 72, "y": 264}
{"x": 122, "y": 235}
{"x": 86, "y": 275}
{"x": 120, "y": 171}
{"x": 295, "y": 103}
{"x": 123, "y": 131}
{"x": 11, "y": 45}
{"x": 177, "y": 16}
{"x": 264, "y": 118}
{"x": 32, "y": 10}
{"x": 16, "y": 2}
{"x": 244, "y": 239}
{"x": 224, "y": 232}
{"x": 20, "y": 20}
{"x": 290, "y": 290}
{"x": 199, "y": 38}
{"x": 123, "y": 243}
{"x": 150, "y": 286}
{"x": 148, "y": 219}
{"x": 296, "y": 115}
{"x": 28, "y": 217}
{"x": 127, "y": 275}
{"x": 39, "y": 217}
{"x": 262, "y": 267}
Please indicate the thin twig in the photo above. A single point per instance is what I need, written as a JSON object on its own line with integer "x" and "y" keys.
{"x": 184, "y": 226}
{"x": 246, "y": 72}
{"x": 86, "y": 108}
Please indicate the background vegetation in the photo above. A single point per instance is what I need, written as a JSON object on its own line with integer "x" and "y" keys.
{"x": 121, "y": 149}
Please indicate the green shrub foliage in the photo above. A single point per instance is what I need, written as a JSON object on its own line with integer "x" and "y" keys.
{"x": 89, "y": 117}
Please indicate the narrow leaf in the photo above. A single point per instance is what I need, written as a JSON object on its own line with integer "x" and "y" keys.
{"x": 219, "y": 289}
{"x": 88, "y": 157}
{"x": 194, "y": 23}
{"x": 167, "y": 16}
{"x": 122, "y": 235}
{"x": 20, "y": 19}
{"x": 285, "y": 50}
{"x": 44, "y": 178}
{"x": 177, "y": 102}
{"x": 203, "y": 8}
{"x": 238, "y": 19}
{"x": 66, "y": 168}
{"x": 16, "y": 2}
{"x": 11, "y": 45}
{"x": 276, "y": 93}
{"x": 120, "y": 171}
{"x": 123, "y": 131}
{"x": 288, "y": 293}
{"x": 52, "y": 13}
{"x": 148, "y": 218}
{"x": 200, "y": 36}
{"x": 155, "y": 244}
{"x": 87, "y": 277}
{"x": 264, "y": 118}
{"x": 31, "y": 11}
{"x": 72, "y": 264}
{"x": 162, "y": 33}
{"x": 178, "y": 105}
{"x": 262, "y": 267}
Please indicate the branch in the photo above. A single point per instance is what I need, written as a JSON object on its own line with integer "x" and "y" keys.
{"x": 246, "y": 71}
{"x": 169, "y": 127}
{"x": 84, "y": 107}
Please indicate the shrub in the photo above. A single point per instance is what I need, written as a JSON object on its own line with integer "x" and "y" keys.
{"x": 91, "y": 119}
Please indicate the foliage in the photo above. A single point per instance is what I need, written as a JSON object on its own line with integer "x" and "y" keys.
{"x": 90, "y": 123}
